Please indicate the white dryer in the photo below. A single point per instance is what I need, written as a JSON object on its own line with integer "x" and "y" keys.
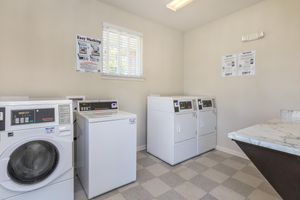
{"x": 106, "y": 147}
{"x": 207, "y": 124}
{"x": 36, "y": 150}
{"x": 172, "y": 128}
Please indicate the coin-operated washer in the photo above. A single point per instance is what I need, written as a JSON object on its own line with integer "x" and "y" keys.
{"x": 106, "y": 146}
{"x": 36, "y": 149}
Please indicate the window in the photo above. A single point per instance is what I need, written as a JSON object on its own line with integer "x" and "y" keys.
{"x": 122, "y": 52}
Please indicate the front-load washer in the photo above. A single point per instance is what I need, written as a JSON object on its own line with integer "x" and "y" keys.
{"x": 172, "y": 128}
{"x": 106, "y": 147}
{"x": 36, "y": 150}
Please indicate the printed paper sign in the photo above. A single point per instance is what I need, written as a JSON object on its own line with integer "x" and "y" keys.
{"x": 229, "y": 65}
{"x": 247, "y": 63}
{"x": 88, "y": 54}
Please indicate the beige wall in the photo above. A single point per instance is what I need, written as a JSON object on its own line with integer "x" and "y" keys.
{"x": 37, "y": 53}
{"x": 37, "y": 58}
{"x": 248, "y": 100}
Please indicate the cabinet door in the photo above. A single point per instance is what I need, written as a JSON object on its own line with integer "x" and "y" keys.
{"x": 207, "y": 122}
{"x": 185, "y": 127}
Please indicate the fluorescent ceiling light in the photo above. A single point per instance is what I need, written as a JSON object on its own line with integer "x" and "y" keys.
{"x": 178, "y": 4}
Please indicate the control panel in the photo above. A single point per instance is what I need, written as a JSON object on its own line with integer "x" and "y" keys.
{"x": 185, "y": 105}
{"x": 200, "y": 106}
{"x": 182, "y": 105}
{"x": 2, "y": 119}
{"x": 32, "y": 116}
{"x": 176, "y": 106}
{"x": 98, "y": 105}
{"x": 64, "y": 114}
{"x": 206, "y": 104}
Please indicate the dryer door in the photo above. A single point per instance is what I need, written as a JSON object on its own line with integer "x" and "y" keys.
{"x": 207, "y": 122}
{"x": 32, "y": 162}
{"x": 185, "y": 126}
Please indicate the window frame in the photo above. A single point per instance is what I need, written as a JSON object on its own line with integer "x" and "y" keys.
{"x": 122, "y": 76}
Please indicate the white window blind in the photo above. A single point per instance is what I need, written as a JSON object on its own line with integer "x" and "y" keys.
{"x": 122, "y": 52}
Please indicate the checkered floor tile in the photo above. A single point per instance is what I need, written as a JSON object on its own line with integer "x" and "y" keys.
{"x": 214, "y": 175}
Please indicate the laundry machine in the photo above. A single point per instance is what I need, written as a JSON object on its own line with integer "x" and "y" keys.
{"x": 36, "y": 147}
{"x": 172, "y": 128}
{"x": 106, "y": 147}
{"x": 206, "y": 124}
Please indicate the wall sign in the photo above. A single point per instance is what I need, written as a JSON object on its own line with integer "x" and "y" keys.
{"x": 229, "y": 65}
{"x": 88, "y": 54}
{"x": 243, "y": 64}
{"x": 247, "y": 62}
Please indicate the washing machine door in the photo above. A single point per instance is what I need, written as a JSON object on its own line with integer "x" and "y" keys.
{"x": 32, "y": 162}
{"x": 35, "y": 163}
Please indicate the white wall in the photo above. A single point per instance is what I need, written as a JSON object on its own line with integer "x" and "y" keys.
{"x": 244, "y": 101}
{"x": 37, "y": 53}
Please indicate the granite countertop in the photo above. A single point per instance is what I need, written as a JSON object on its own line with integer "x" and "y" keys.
{"x": 275, "y": 134}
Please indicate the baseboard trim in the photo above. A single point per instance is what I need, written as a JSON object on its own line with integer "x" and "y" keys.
{"x": 232, "y": 152}
{"x": 219, "y": 148}
{"x": 141, "y": 148}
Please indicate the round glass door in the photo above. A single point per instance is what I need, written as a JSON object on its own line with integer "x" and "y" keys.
{"x": 33, "y": 162}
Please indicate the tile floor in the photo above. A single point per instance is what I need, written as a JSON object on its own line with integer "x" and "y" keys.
{"x": 214, "y": 175}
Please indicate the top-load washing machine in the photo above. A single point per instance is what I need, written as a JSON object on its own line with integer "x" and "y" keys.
{"x": 207, "y": 124}
{"x": 36, "y": 150}
{"x": 106, "y": 146}
{"x": 172, "y": 128}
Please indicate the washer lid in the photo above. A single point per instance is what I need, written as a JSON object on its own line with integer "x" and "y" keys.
{"x": 93, "y": 117}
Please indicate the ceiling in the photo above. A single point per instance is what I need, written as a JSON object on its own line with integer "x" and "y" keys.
{"x": 194, "y": 15}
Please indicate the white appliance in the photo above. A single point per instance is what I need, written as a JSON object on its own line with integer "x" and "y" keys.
{"x": 207, "y": 124}
{"x": 36, "y": 150}
{"x": 75, "y": 100}
{"x": 106, "y": 147}
{"x": 172, "y": 128}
